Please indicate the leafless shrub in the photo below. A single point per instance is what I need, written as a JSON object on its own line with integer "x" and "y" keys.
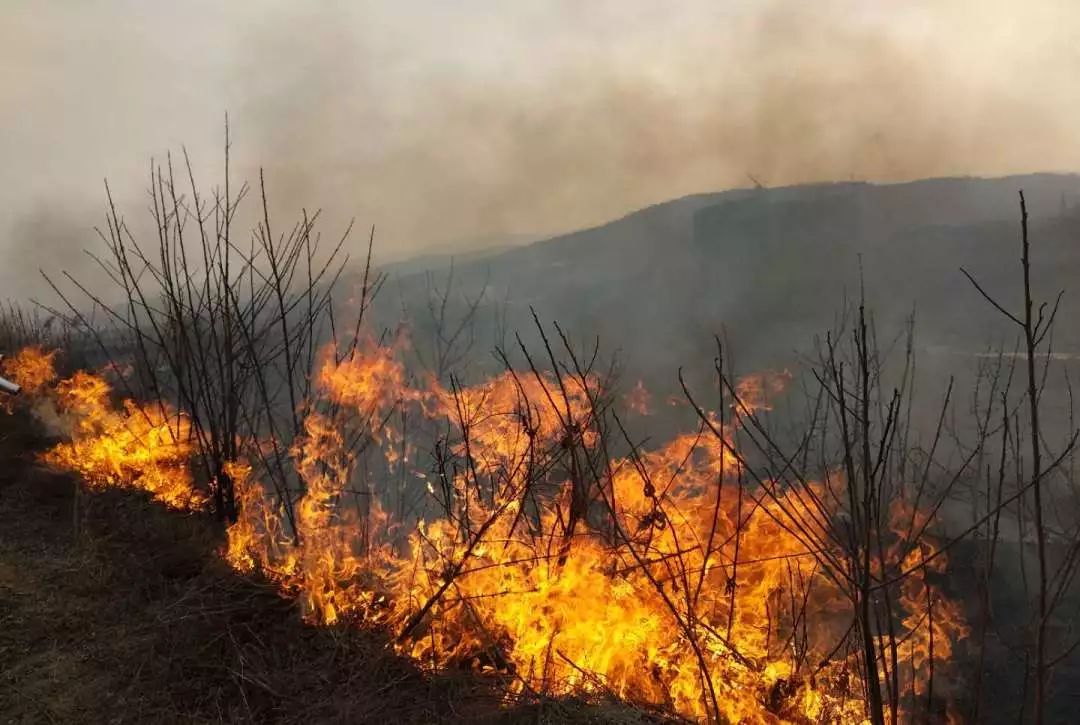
{"x": 225, "y": 330}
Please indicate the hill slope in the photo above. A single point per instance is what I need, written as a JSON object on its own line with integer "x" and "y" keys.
{"x": 772, "y": 267}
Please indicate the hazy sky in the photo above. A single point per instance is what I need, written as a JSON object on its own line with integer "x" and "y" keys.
{"x": 441, "y": 121}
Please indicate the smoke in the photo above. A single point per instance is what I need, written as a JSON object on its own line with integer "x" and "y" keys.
{"x": 444, "y": 124}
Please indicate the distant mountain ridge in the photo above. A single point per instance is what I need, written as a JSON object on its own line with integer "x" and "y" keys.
{"x": 773, "y": 267}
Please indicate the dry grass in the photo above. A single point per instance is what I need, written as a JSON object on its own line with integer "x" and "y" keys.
{"x": 134, "y": 618}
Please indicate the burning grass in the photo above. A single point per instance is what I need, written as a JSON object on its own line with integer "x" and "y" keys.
{"x": 135, "y": 619}
{"x": 667, "y": 577}
{"x": 33, "y": 367}
{"x": 131, "y": 445}
{"x": 514, "y": 526}
{"x": 143, "y": 447}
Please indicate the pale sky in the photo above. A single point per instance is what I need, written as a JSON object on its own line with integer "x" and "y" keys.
{"x": 445, "y": 121}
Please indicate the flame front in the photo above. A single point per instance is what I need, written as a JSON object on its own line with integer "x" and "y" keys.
{"x": 143, "y": 446}
{"x": 657, "y": 576}
{"x": 672, "y": 570}
{"x": 32, "y": 368}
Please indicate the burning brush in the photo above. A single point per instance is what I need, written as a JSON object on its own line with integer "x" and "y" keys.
{"x": 6, "y": 386}
{"x": 710, "y": 602}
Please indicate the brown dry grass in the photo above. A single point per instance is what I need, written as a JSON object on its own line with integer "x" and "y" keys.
{"x": 134, "y": 618}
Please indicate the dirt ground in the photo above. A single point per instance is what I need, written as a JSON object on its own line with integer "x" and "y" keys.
{"x": 114, "y": 610}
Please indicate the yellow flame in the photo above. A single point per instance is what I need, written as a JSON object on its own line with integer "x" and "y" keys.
{"x": 32, "y": 368}
{"x": 638, "y": 609}
{"x": 673, "y": 570}
{"x": 144, "y": 446}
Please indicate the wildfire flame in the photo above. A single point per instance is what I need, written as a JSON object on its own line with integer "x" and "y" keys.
{"x": 552, "y": 560}
{"x": 145, "y": 446}
{"x": 32, "y": 368}
{"x": 756, "y": 392}
{"x": 491, "y": 583}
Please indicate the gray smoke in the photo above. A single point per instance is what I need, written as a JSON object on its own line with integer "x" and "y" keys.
{"x": 446, "y": 123}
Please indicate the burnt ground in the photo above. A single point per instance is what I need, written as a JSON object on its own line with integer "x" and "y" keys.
{"x": 115, "y": 610}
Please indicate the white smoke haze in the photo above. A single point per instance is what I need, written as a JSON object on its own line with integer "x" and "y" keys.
{"x": 448, "y": 123}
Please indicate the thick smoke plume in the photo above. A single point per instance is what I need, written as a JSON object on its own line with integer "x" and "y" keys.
{"x": 447, "y": 124}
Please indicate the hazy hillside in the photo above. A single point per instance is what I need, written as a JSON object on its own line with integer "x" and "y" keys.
{"x": 772, "y": 267}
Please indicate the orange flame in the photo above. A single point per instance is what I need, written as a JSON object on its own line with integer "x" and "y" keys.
{"x": 137, "y": 446}
{"x": 689, "y": 574}
{"x": 145, "y": 446}
{"x": 679, "y": 586}
{"x": 32, "y": 368}
{"x": 756, "y": 392}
